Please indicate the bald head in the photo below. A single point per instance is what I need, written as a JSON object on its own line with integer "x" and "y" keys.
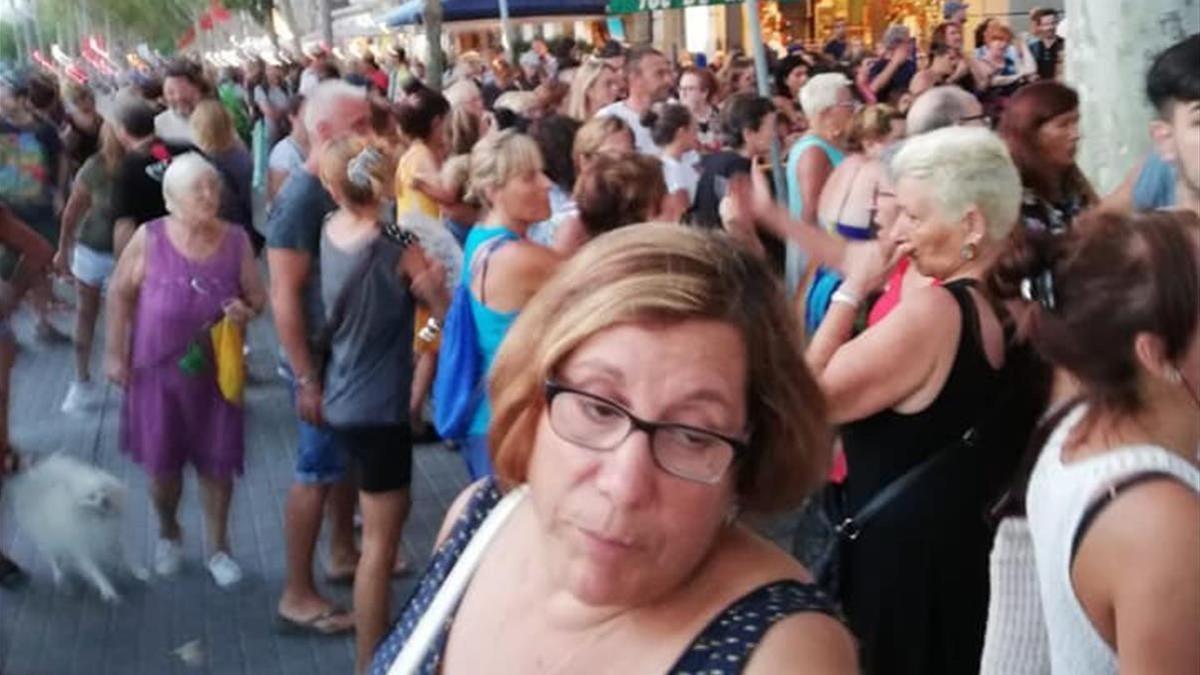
{"x": 941, "y": 107}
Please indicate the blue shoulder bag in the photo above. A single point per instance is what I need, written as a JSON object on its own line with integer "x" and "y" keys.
{"x": 458, "y": 387}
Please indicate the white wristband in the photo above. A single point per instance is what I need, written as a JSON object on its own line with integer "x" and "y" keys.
{"x": 845, "y": 297}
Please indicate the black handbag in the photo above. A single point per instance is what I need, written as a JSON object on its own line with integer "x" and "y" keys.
{"x": 825, "y": 525}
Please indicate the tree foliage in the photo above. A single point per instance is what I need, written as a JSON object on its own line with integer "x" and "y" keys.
{"x": 259, "y": 10}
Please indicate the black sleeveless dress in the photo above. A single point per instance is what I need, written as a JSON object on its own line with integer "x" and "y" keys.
{"x": 914, "y": 585}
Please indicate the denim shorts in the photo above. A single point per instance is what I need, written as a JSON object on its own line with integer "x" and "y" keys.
{"x": 319, "y": 459}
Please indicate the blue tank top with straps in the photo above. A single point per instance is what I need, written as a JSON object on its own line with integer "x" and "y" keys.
{"x": 491, "y": 325}
{"x": 795, "y": 200}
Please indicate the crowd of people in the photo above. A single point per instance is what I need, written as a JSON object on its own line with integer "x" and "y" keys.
{"x": 975, "y": 330}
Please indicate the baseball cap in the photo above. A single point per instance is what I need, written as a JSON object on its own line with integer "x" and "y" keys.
{"x": 951, "y": 8}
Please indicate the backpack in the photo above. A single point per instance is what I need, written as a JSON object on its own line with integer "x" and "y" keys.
{"x": 459, "y": 386}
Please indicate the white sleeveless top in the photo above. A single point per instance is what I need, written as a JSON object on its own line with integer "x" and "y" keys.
{"x": 1058, "y": 498}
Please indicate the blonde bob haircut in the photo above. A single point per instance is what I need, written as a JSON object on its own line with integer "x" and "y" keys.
{"x": 498, "y": 158}
{"x": 587, "y": 76}
{"x": 212, "y": 127}
{"x": 593, "y": 133}
{"x": 664, "y": 273}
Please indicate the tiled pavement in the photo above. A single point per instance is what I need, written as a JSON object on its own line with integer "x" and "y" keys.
{"x": 49, "y": 632}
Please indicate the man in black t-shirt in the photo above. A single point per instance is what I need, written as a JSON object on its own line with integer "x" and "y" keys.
{"x": 836, "y": 47}
{"x": 1046, "y": 46}
{"x": 891, "y": 74}
{"x": 137, "y": 187}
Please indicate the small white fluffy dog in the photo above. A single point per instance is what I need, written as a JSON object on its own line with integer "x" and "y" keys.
{"x": 72, "y": 512}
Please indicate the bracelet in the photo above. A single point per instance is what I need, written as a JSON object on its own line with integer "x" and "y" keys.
{"x": 845, "y": 297}
{"x": 429, "y": 331}
{"x": 306, "y": 380}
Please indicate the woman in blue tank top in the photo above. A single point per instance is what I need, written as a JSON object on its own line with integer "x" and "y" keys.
{"x": 502, "y": 268}
{"x": 827, "y": 101}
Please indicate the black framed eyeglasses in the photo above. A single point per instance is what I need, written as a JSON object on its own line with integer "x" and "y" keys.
{"x": 596, "y": 423}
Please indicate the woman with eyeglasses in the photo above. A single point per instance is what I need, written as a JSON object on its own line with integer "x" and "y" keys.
{"x": 631, "y": 430}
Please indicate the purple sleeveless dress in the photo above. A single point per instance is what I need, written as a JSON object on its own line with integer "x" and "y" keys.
{"x": 170, "y": 417}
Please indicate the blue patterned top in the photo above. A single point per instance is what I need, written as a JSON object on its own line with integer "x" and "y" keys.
{"x": 722, "y": 648}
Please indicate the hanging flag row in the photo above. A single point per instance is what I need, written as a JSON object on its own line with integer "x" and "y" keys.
{"x": 217, "y": 13}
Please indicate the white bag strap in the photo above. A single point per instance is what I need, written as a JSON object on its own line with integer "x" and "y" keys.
{"x": 408, "y": 662}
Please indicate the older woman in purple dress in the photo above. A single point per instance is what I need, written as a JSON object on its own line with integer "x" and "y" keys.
{"x": 177, "y": 277}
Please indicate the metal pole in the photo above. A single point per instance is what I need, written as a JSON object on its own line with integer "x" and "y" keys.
{"x": 764, "y": 90}
{"x": 505, "y": 36}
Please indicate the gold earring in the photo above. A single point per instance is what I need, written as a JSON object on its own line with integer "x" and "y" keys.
{"x": 969, "y": 251}
{"x": 1174, "y": 376}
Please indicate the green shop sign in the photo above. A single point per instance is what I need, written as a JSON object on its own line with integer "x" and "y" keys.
{"x": 635, "y": 6}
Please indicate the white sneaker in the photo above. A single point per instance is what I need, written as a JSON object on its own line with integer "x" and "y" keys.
{"x": 168, "y": 557}
{"x": 81, "y": 397}
{"x": 224, "y": 570}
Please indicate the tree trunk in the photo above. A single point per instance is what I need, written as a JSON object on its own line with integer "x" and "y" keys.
{"x": 434, "y": 62}
{"x": 1115, "y": 41}
{"x": 20, "y": 42}
{"x": 327, "y": 22}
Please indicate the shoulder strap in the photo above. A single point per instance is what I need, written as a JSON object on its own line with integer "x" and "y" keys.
{"x": 852, "y": 526}
{"x": 837, "y": 218}
{"x": 433, "y": 620}
{"x": 338, "y": 312}
{"x": 1107, "y": 497}
{"x": 729, "y": 639}
{"x": 966, "y": 304}
{"x": 480, "y": 261}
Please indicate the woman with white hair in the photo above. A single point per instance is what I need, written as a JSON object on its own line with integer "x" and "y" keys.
{"x": 178, "y": 276}
{"x": 829, "y": 106}
{"x": 935, "y": 407}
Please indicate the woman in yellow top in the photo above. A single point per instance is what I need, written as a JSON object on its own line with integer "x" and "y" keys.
{"x": 422, "y": 114}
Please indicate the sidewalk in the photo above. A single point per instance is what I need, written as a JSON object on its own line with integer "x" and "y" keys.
{"x": 49, "y": 632}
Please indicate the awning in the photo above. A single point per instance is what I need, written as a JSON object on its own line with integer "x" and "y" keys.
{"x": 407, "y": 14}
{"x": 635, "y": 6}
{"x": 410, "y": 12}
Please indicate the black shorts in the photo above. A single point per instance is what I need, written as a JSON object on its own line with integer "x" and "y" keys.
{"x": 383, "y": 454}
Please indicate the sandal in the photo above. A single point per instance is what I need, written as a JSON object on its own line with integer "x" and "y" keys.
{"x": 326, "y": 623}
{"x": 11, "y": 575}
